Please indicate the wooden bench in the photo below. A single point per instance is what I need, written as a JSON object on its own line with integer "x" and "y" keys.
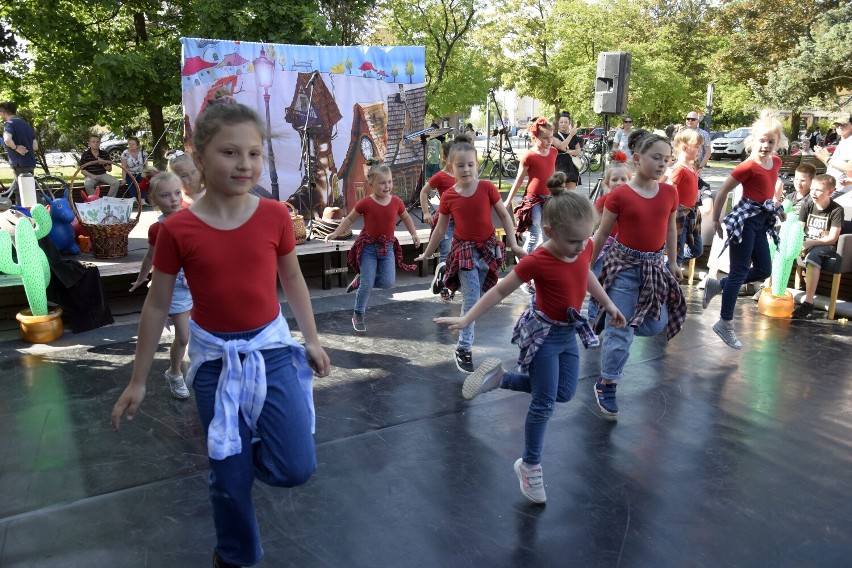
{"x": 791, "y": 162}
{"x": 334, "y": 255}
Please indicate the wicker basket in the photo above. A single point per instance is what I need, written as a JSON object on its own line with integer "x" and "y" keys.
{"x": 298, "y": 224}
{"x": 108, "y": 241}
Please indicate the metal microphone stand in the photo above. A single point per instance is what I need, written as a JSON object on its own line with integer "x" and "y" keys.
{"x": 306, "y": 163}
{"x": 501, "y": 132}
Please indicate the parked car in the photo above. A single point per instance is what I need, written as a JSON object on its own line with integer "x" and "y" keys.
{"x": 589, "y": 133}
{"x": 714, "y": 134}
{"x": 732, "y": 145}
{"x": 113, "y": 145}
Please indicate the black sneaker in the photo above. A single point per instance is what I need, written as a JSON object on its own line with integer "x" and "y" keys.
{"x": 805, "y": 310}
{"x": 219, "y": 563}
{"x": 464, "y": 360}
{"x": 438, "y": 281}
{"x": 358, "y": 323}
{"x": 354, "y": 284}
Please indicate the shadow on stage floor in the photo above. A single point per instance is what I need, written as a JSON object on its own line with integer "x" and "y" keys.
{"x": 719, "y": 458}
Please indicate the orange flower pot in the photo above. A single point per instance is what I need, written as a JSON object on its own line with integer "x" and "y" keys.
{"x": 41, "y": 329}
{"x": 775, "y": 306}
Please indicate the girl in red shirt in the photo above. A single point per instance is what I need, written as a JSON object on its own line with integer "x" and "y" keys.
{"x": 442, "y": 181}
{"x": 539, "y": 163}
{"x": 687, "y": 144}
{"x": 476, "y": 254}
{"x": 549, "y": 361}
{"x": 376, "y": 252}
{"x": 252, "y": 380}
{"x": 749, "y": 222}
{"x": 636, "y": 274}
{"x": 181, "y": 164}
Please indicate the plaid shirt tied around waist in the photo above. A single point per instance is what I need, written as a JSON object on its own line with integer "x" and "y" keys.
{"x": 533, "y": 327}
{"x": 524, "y": 213}
{"x": 493, "y": 252}
{"x": 746, "y": 208}
{"x": 658, "y": 286}
{"x": 354, "y": 256}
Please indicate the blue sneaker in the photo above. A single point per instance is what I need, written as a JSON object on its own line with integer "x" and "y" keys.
{"x": 605, "y": 398}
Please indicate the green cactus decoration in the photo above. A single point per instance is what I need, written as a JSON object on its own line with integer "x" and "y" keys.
{"x": 792, "y": 235}
{"x": 32, "y": 263}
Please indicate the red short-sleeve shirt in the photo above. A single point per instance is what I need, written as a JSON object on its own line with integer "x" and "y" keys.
{"x": 599, "y": 205}
{"x": 642, "y": 222}
{"x": 153, "y": 230}
{"x": 686, "y": 182}
{"x": 559, "y": 285}
{"x": 758, "y": 182}
{"x": 232, "y": 274}
{"x": 472, "y": 215}
{"x": 380, "y": 219}
{"x": 442, "y": 181}
{"x": 539, "y": 170}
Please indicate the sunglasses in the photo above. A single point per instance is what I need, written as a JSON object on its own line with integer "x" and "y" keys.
{"x": 690, "y": 119}
{"x": 628, "y": 122}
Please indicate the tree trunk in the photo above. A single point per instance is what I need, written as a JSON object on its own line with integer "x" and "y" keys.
{"x": 795, "y": 121}
{"x": 158, "y": 126}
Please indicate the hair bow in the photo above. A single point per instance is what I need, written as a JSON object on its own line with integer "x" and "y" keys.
{"x": 540, "y": 122}
{"x": 619, "y": 156}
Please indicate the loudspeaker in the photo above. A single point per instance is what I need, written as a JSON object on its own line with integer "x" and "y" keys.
{"x": 611, "y": 83}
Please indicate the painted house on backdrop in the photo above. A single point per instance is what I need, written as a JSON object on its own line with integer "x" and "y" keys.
{"x": 406, "y": 114}
{"x": 321, "y": 119}
{"x": 367, "y": 140}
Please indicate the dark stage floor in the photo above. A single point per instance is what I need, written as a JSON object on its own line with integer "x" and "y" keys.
{"x": 720, "y": 457}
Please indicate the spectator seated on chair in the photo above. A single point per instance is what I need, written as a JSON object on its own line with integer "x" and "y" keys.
{"x": 802, "y": 180}
{"x": 95, "y": 164}
{"x": 823, "y": 220}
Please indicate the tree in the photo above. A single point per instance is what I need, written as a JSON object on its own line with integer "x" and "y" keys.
{"x": 819, "y": 67}
{"x": 101, "y": 62}
{"x": 347, "y": 20}
{"x": 457, "y": 70}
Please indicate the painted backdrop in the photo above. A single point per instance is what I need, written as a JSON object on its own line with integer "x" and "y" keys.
{"x": 357, "y": 102}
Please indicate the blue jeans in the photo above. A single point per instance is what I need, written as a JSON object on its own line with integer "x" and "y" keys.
{"x": 749, "y": 260}
{"x": 471, "y": 287}
{"x": 534, "y": 234}
{"x": 684, "y": 251}
{"x": 376, "y": 272}
{"x": 131, "y": 187}
{"x": 446, "y": 242}
{"x": 552, "y": 378}
{"x": 282, "y": 455}
{"x": 596, "y": 270}
{"x": 624, "y": 293}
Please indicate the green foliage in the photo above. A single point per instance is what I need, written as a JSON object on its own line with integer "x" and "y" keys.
{"x": 458, "y": 73}
{"x": 818, "y": 67}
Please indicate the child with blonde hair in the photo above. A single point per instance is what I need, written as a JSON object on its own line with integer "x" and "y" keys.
{"x": 376, "y": 252}
{"x": 165, "y": 193}
{"x": 618, "y": 172}
{"x": 684, "y": 176}
{"x": 181, "y": 164}
{"x": 546, "y": 333}
{"x": 748, "y": 224}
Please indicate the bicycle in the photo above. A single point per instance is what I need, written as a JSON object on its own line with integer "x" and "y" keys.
{"x": 49, "y": 186}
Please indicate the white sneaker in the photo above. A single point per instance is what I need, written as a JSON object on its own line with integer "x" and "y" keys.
{"x": 485, "y": 378}
{"x": 532, "y": 483}
{"x": 177, "y": 385}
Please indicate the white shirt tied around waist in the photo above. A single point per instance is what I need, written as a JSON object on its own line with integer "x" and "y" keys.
{"x": 242, "y": 385}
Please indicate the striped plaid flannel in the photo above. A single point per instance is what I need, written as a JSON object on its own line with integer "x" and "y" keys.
{"x": 493, "y": 252}
{"x": 746, "y": 208}
{"x": 533, "y": 327}
{"x": 658, "y": 286}
{"x": 354, "y": 256}
{"x": 524, "y": 213}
